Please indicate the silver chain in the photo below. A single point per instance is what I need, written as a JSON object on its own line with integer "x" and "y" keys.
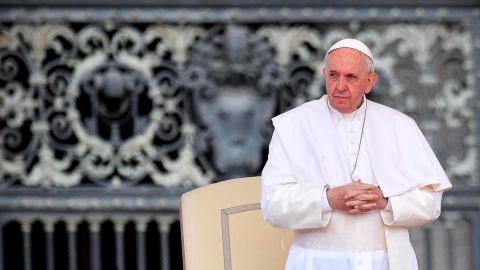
{"x": 360, "y": 144}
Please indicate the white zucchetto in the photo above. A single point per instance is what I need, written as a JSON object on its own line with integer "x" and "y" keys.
{"x": 353, "y": 44}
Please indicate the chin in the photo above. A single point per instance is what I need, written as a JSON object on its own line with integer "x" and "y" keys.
{"x": 343, "y": 109}
{"x": 340, "y": 107}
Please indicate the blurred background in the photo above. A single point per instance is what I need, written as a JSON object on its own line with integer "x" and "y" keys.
{"x": 111, "y": 109}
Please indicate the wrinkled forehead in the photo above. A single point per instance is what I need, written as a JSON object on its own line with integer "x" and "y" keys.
{"x": 345, "y": 58}
{"x": 348, "y": 51}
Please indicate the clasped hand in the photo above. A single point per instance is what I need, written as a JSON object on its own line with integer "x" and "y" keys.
{"x": 356, "y": 198}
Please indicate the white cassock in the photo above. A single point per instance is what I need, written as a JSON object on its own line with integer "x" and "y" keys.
{"x": 315, "y": 146}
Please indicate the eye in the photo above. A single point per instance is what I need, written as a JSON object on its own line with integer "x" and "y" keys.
{"x": 333, "y": 75}
{"x": 351, "y": 77}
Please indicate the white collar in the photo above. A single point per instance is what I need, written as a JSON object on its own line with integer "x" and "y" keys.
{"x": 356, "y": 115}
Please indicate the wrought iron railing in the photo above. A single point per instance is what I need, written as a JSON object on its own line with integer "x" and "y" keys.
{"x": 60, "y": 229}
{"x": 74, "y": 232}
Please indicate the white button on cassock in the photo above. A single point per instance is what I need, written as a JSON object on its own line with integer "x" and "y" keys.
{"x": 362, "y": 262}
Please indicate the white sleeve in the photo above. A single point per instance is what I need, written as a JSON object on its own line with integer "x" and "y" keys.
{"x": 286, "y": 203}
{"x": 414, "y": 208}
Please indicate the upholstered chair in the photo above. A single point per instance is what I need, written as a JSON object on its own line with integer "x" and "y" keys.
{"x": 223, "y": 228}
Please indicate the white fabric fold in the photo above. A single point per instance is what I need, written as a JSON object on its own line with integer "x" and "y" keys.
{"x": 415, "y": 208}
{"x": 306, "y": 155}
{"x": 302, "y": 209}
{"x": 285, "y": 202}
{"x": 401, "y": 157}
{"x": 309, "y": 259}
{"x": 365, "y": 232}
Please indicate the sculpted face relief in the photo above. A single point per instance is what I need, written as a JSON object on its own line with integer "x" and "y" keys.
{"x": 347, "y": 79}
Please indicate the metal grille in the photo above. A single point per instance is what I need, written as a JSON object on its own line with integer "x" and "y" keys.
{"x": 93, "y": 244}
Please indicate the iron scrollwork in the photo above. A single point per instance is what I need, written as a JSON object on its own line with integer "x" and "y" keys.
{"x": 119, "y": 105}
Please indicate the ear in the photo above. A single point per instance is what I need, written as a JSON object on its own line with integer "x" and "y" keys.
{"x": 324, "y": 72}
{"x": 372, "y": 79}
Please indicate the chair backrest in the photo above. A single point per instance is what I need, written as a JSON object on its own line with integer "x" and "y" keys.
{"x": 223, "y": 228}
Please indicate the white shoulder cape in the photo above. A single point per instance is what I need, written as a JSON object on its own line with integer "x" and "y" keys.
{"x": 401, "y": 157}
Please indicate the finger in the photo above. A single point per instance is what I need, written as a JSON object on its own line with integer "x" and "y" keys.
{"x": 356, "y": 211}
{"x": 367, "y": 206}
{"x": 354, "y": 203}
{"x": 354, "y": 193}
{"x": 359, "y": 186}
{"x": 363, "y": 211}
{"x": 365, "y": 197}
{"x": 365, "y": 185}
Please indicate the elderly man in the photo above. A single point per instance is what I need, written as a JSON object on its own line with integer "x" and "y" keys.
{"x": 350, "y": 176}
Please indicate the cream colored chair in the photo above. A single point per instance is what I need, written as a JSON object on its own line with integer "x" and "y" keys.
{"x": 223, "y": 228}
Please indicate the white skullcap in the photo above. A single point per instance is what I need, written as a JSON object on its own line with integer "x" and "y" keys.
{"x": 353, "y": 44}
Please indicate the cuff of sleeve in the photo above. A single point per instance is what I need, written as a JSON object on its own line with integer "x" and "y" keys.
{"x": 387, "y": 217}
{"x": 389, "y": 205}
{"x": 325, "y": 204}
{"x": 387, "y": 213}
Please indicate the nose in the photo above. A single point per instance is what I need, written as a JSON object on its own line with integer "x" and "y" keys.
{"x": 342, "y": 84}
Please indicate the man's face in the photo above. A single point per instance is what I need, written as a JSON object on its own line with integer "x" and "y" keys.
{"x": 347, "y": 79}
